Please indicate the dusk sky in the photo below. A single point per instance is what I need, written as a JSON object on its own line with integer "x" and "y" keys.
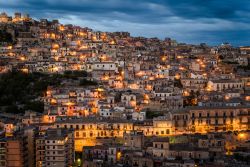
{"x": 190, "y": 21}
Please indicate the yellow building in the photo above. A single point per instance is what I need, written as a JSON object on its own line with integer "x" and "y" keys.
{"x": 219, "y": 119}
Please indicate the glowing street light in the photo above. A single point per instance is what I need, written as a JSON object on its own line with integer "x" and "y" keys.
{"x": 55, "y": 46}
{"x": 61, "y": 28}
{"x": 22, "y": 58}
{"x": 79, "y": 161}
{"x": 241, "y": 136}
{"x": 177, "y": 76}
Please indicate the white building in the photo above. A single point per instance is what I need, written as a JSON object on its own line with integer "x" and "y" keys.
{"x": 220, "y": 85}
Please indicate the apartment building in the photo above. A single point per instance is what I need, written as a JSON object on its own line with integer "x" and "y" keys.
{"x": 14, "y": 151}
{"x": 213, "y": 119}
{"x": 55, "y": 148}
{"x": 134, "y": 140}
{"x": 224, "y": 84}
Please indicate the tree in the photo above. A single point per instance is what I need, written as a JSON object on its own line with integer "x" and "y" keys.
{"x": 5, "y": 37}
{"x": 85, "y": 82}
{"x": 152, "y": 114}
{"x": 20, "y": 89}
{"x": 12, "y": 109}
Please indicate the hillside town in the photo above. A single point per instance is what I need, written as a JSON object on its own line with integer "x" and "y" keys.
{"x": 135, "y": 102}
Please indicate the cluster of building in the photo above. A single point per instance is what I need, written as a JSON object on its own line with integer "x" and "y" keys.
{"x": 30, "y": 147}
{"x": 185, "y": 150}
{"x": 202, "y": 94}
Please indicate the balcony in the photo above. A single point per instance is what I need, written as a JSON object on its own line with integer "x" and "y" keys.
{"x": 244, "y": 114}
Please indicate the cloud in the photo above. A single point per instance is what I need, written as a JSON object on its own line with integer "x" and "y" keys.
{"x": 194, "y": 21}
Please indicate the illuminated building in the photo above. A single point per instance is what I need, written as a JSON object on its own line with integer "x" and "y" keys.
{"x": 134, "y": 139}
{"x": 5, "y": 18}
{"x": 160, "y": 147}
{"x": 15, "y": 151}
{"x": 86, "y": 130}
{"x": 220, "y": 85}
{"x": 216, "y": 119}
{"x": 128, "y": 99}
{"x": 55, "y": 148}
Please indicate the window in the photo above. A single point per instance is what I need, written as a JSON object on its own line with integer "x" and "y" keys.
{"x": 231, "y": 121}
{"x": 60, "y": 147}
{"x": 232, "y": 114}
{"x": 59, "y": 152}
